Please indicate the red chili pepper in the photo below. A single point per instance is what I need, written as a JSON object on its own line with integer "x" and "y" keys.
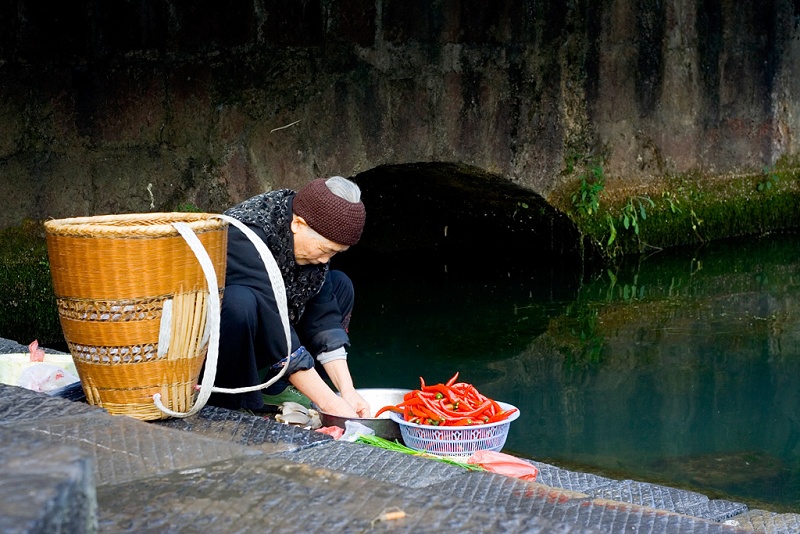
{"x": 417, "y": 394}
{"x": 416, "y": 411}
{"x": 501, "y": 416}
{"x": 462, "y": 422}
{"x": 477, "y": 395}
{"x": 477, "y": 411}
{"x": 452, "y": 380}
{"x": 428, "y": 413}
{"x": 462, "y": 414}
{"x": 448, "y": 412}
{"x": 452, "y": 403}
{"x": 389, "y": 408}
{"x": 433, "y": 416}
{"x": 465, "y": 405}
{"x": 440, "y": 388}
{"x": 434, "y": 408}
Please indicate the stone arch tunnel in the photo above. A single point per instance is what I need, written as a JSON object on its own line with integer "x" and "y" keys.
{"x": 461, "y": 214}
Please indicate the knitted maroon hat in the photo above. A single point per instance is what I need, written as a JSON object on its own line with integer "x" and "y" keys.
{"x": 331, "y": 216}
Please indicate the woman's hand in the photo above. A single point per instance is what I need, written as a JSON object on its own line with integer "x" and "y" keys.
{"x": 357, "y": 402}
{"x": 338, "y": 406}
{"x": 340, "y": 376}
{"x": 312, "y": 386}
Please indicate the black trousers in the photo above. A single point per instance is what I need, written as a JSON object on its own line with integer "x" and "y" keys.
{"x": 252, "y": 341}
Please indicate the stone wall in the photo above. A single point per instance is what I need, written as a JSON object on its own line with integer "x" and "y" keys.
{"x": 140, "y": 105}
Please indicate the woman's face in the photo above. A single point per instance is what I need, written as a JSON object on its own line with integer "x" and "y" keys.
{"x": 310, "y": 247}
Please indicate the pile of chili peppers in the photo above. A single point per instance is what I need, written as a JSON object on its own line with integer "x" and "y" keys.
{"x": 449, "y": 404}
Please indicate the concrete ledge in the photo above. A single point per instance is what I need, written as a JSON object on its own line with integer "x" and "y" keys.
{"x": 71, "y": 467}
{"x": 45, "y": 488}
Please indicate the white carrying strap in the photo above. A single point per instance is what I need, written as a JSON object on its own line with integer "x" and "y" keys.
{"x": 213, "y": 313}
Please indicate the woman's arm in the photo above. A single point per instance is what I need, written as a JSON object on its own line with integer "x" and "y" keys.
{"x": 312, "y": 386}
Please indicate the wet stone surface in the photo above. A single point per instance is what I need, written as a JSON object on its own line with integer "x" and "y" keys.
{"x": 644, "y": 494}
{"x": 569, "y": 506}
{"x": 763, "y": 521}
{"x": 664, "y": 498}
{"x": 126, "y": 449}
{"x": 20, "y": 405}
{"x": 45, "y": 487}
{"x": 256, "y": 431}
{"x": 570, "y": 480}
{"x": 276, "y": 495}
{"x": 378, "y": 464}
{"x": 74, "y": 468}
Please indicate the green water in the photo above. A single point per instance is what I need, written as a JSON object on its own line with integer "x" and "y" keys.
{"x": 679, "y": 368}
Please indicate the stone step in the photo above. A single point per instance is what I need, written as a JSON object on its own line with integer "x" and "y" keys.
{"x": 73, "y": 467}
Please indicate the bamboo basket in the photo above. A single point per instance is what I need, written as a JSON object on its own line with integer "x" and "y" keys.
{"x": 133, "y": 304}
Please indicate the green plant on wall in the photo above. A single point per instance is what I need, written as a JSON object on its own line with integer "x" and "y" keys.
{"x": 768, "y": 181}
{"x": 188, "y": 207}
{"x": 632, "y": 214}
{"x": 587, "y": 199}
{"x": 672, "y": 201}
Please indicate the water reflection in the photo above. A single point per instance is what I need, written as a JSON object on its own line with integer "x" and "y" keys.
{"x": 679, "y": 368}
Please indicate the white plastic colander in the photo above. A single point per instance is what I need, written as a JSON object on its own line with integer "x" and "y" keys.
{"x": 456, "y": 441}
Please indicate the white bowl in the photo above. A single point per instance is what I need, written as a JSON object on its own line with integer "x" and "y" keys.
{"x": 377, "y": 398}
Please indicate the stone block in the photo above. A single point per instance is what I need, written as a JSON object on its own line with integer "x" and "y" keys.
{"x": 20, "y": 404}
{"x": 259, "y": 494}
{"x": 650, "y": 495}
{"x": 126, "y": 449}
{"x": 45, "y": 487}
{"x": 570, "y": 480}
{"x": 767, "y": 522}
{"x": 379, "y": 464}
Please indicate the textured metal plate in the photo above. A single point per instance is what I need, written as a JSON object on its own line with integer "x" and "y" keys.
{"x": 763, "y": 521}
{"x": 570, "y": 480}
{"x": 245, "y": 429}
{"x": 379, "y": 464}
{"x": 126, "y": 449}
{"x": 275, "y": 495}
{"x": 716, "y": 510}
{"x": 19, "y": 404}
{"x": 652, "y": 495}
{"x": 511, "y": 494}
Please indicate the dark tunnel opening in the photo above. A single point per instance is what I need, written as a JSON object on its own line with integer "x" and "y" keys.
{"x": 457, "y": 220}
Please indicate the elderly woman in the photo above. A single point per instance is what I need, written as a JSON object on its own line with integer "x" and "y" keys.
{"x": 303, "y": 230}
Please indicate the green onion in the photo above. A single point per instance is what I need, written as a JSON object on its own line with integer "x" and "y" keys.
{"x": 395, "y": 446}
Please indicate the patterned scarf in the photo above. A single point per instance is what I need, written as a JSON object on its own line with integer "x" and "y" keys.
{"x": 272, "y": 213}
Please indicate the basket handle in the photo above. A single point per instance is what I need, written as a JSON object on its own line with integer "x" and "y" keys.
{"x": 213, "y": 312}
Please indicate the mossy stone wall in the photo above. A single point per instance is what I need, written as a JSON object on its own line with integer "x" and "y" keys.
{"x": 147, "y": 106}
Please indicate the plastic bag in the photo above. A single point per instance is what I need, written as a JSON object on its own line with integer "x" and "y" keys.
{"x": 45, "y": 377}
{"x": 37, "y": 353}
{"x": 504, "y": 464}
{"x": 352, "y": 429}
{"x": 333, "y": 431}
